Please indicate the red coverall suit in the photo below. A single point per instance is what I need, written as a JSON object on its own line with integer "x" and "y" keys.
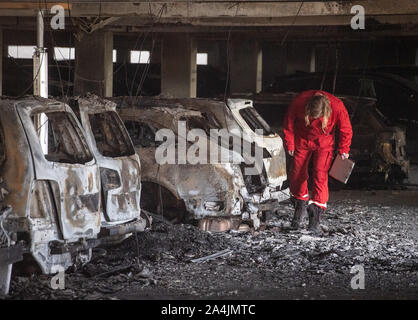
{"x": 312, "y": 141}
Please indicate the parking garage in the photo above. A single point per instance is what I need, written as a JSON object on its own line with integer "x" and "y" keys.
{"x": 143, "y": 152}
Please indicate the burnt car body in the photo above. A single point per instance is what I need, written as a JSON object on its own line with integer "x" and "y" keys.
{"x": 206, "y": 191}
{"x": 377, "y": 147}
{"x": 214, "y": 194}
{"x": 119, "y": 164}
{"x": 51, "y": 182}
{"x": 275, "y": 184}
{"x": 238, "y": 116}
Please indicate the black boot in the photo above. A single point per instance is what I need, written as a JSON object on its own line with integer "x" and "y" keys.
{"x": 315, "y": 213}
{"x": 300, "y": 212}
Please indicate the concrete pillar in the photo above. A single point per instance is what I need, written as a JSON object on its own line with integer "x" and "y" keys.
{"x": 178, "y": 66}
{"x": 1, "y": 62}
{"x": 245, "y": 66}
{"x": 94, "y": 64}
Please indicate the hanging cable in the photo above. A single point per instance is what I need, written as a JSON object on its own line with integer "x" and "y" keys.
{"x": 54, "y": 45}
{"x": 147, "y": 67}
{"x": 292, "y": 24}
{"x": 69, "y": 42}
{"x": 325, "y": 69}
{"x": 228, "y": 62}
{"x": 336, "y": 69}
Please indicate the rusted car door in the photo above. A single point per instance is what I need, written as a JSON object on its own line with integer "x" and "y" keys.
{"x": 62, "y": 157}
{"x": 120, "y": 168}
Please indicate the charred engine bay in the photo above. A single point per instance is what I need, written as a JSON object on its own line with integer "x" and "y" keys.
{"x": 376, "y": 229}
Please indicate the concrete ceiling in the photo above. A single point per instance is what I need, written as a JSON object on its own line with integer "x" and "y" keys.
{"x": 218, "y": 11}
{"x": 264, "y": 18}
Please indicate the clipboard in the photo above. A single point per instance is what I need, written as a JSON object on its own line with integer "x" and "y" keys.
{"x": 341, "y": 169}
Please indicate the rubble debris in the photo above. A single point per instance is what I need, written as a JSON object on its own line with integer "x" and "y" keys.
{"x": 114, "y": 271}
{"x": 361, "y": 228}
{"x": 212, "y": 256}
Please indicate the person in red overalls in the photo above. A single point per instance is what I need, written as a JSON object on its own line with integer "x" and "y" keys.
{"x": 309, "y": 130}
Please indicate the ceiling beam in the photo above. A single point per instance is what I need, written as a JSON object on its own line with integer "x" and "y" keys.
{"x": 27, "y": 7}
{"x": 183, "y": 10}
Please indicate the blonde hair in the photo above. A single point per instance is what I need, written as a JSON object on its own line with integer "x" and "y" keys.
{"x": 318, "y": 106}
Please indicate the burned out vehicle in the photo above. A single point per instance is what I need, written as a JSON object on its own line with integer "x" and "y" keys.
{"x": 240, "y": 118}
{"x": 219, "y": 194}
{"x": 119, "y": 164}
{"x": 50, "y": 180}
{"x": 210, "y": 193}
{"x": 377, "y": 147}
{"x": 65, "y": 189}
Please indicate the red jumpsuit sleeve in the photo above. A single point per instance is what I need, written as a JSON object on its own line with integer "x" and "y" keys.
{"x": 346, "y": 131}
{"x": 289, "y": 125}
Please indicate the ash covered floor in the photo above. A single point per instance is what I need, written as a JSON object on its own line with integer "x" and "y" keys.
{"x": 378, "y": 229}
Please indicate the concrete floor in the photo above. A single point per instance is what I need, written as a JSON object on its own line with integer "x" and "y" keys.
{"x": 377, "y": 229}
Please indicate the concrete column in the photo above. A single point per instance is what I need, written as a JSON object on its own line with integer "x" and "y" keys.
{"x": 94, "y": 64}
{"x": 1, "y": 61}
{"x": 178, "y": 66}
{"x": 245, "y": 66}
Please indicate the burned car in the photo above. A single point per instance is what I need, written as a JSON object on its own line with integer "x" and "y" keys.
{"x": 377, "y": 147}
{"x": 240, "y": 118}
{"x": 119, "y": 164}
{"x": 50, "y": 180}
{"x": 206, "y": 191}
{"x": 217, "y": 194}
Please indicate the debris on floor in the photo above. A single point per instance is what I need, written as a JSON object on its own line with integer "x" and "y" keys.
{"x": 274, "y": 263}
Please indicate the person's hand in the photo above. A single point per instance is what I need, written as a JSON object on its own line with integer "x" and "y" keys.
{"x": 291, "y": 152}
{"x": 344, "y": 156}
